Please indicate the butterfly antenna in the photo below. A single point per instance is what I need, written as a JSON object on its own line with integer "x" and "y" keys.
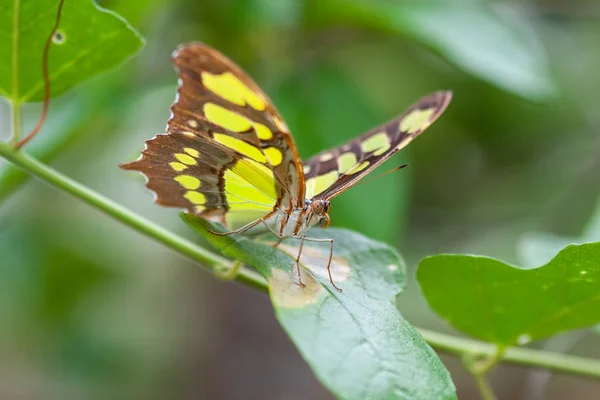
{"x": 383, "y": 174}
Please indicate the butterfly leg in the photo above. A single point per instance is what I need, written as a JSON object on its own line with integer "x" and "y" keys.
{"x": 330, "y": 258}
{"x": 239, "y": 230}
{"x": 274, "y": 233}
{"x": 302, "y": 238}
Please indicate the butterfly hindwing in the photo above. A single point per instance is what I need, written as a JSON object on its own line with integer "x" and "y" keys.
{"x": 331, "y": 172}
{"x": 207, "y": 179}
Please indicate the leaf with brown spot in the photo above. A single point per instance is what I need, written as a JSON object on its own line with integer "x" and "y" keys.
{"x": 356, "y": 342}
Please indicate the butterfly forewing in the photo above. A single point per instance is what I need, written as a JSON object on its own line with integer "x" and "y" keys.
{"x": 331, "y": 172}
{"x": 216, "y": 95}
{"x": 227, "y": 154}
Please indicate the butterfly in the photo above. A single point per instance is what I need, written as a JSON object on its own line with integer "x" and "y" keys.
{"x": 229, "y": 157}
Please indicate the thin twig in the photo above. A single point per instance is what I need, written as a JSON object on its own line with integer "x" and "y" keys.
{"x": 565, "y": 363}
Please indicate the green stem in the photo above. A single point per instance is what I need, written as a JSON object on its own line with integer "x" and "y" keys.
{"x": 484, "y": 387}
{"x": 442, "y": 342}
{"x": 15, "y": 106}
{"x": 514, "y": 355}
{"x": 15, "y": 113}
{"x": 127, "y": 217}
{"x": 479, "y": 366}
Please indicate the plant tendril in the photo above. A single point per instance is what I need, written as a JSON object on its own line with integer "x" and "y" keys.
{"x": 46, "y": 104}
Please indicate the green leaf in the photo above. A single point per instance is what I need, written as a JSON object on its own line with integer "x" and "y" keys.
{"x": 538, "y": 247}
{"x": 356, "y": 342}
{"x": 496, "y": 45}
{"x": 500, "y": 303}
{"x": 93, "y": 41}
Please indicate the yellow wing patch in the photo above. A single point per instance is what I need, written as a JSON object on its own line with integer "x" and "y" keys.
{"x": 262, "y": 131}
{"x": 234, "y": 122}
{"x": 232, "y": 89}
{"x": 188, "y": 182}
{"x": 241, "y": 194}
{"x": 416, "y": 120}
{"x": 194, "y": 197}
{"x": 357, "y": 168}
{"x": 379, "y": 143}
{"x": 258, "y": 175}
{"x": 177, "y": 166}
{"x": 274, "y": 155}
{"x": 346, "y": 161}
{"x": 226, "y": 118}
{"x": 319, "y": 183}
{"x": 185, "y": 159}
{"x": 250, "y": 192}
{"x": 192, "y": 152}
{"x": 241, "y": 147}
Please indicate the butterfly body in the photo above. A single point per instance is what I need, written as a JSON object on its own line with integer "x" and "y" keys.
{"x": 297, "y": 222}
{"x": 229, "y": 157}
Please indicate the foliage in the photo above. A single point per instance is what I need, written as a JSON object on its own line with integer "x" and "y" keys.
{"x": 89, "y": 41}
{"x": 481, "y": 182}
{"x": 507, "y": 305}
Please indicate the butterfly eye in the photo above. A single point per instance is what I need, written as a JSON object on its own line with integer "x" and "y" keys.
{"x": 324, "y": 221}
{"x": 318, "y": 207}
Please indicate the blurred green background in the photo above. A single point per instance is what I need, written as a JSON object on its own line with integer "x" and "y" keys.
{"x": 92, "y": 310}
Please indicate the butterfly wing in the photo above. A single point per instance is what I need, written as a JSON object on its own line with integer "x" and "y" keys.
{"x": 331, "y": 172}
{"x": 227, "y": 154}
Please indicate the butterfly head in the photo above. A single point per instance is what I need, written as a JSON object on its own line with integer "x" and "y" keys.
{"x": 319, "y": 213}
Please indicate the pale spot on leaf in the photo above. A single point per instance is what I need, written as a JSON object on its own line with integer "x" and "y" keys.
{"x": 287, "y": 293}
{"x": 315, "y": 260}
{"x": 523, "y": 339}
{"x": 59, "y": 37}
{"x": 392, "y": 267}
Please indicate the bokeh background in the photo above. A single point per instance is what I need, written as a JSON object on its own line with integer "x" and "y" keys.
{"x": 91, "y": 310}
